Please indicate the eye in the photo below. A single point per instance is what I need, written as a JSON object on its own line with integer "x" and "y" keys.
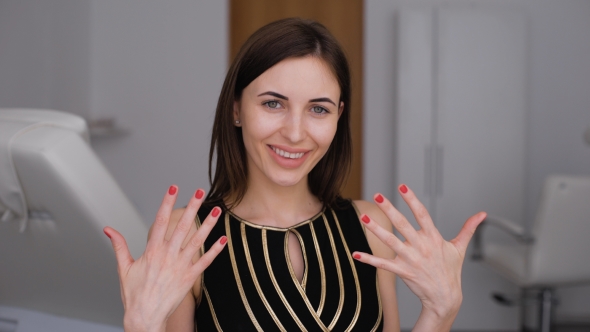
{"x": 274, "y": 104}
{"x": 319, "y": 110}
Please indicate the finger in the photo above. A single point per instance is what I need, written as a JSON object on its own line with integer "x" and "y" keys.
{"x": 378, "y": 262}
{"x": 418, "y": 209}
{"x": 462, "y": 240}
{"x": 122, "y": 254}
{"x": 384, "y": 235}
{"x": 186, "y": 220}
{"x": 397, "y": 219}
{"x": 198, "y": 239}
{"x": 163, "y": 216}
{"x": 209, "y": 256}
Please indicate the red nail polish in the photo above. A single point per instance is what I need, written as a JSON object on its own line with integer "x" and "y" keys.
{"x": 379, "y": 199}
{"x": 172, "y": 190}
{"x": 223, "y": 240}
{"x": 216, "y": 211}
{"x": 199, "y": 194}
{"x": 366, "y": 219}
{"x": 107, "y": 234}
{"x": 403, "y": 189}
{"x": 356, "y": 256}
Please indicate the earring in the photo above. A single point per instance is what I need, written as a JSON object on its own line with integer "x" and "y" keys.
{"x": 237, "y": 121}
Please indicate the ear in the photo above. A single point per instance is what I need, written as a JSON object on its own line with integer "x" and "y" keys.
{"x": 340, "y": 109}
{"x": 236, "y": 113}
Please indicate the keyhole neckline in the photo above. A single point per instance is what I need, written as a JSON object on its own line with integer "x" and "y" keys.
{"x": 275, "y": 228}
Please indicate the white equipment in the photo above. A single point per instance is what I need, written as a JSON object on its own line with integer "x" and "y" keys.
{"x": 56, "y": 196}
{"x": 555, "y": 254}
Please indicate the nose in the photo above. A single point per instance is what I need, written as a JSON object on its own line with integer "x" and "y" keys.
{"x": 294, "y": 127}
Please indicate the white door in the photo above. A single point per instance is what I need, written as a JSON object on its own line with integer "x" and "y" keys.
{"x": 461, "y": 134}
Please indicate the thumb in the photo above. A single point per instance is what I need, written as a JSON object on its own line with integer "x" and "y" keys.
{"x": 462, "y": 240}
{"x": 124, "y": 258}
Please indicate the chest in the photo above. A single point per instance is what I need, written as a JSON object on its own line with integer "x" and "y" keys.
{"x": 302, "y": 278}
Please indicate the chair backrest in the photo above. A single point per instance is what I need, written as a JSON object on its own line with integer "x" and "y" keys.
{"x": 560, "y": 254}
{"x": 62, "y": 263}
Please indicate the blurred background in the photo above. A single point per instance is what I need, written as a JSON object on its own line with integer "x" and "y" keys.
{"x": 146, "y": 75}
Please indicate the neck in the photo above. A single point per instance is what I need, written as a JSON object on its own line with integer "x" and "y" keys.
{"x": 267, "y": 203}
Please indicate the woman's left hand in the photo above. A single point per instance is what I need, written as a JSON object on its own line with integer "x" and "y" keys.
{"x": 429, "y": 265}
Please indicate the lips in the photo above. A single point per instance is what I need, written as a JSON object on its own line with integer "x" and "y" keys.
{"x": 288, "y": 158}
{"x": 285, "y": 154}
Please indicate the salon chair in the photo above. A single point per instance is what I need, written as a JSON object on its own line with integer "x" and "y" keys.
{"x": 556, "y": 251}
{"x": 57, "y": 268}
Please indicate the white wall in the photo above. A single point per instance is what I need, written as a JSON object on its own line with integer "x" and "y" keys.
{"x": 45, "y": 54}
{"x": 158, "y": 67}
{"x": 559, "y": 105}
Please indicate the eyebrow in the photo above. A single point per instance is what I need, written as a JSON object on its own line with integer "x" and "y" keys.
{"x": 280, "y": 96}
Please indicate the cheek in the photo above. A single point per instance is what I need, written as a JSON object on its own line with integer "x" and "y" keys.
{"x": 324, "y": 134}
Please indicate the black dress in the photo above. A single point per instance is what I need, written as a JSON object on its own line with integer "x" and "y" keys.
{"x": 251, "y": 285}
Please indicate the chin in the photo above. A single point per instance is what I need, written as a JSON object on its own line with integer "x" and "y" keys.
{"x": 286, "y": 181}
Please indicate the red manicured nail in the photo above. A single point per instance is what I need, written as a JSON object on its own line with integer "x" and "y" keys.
{"x": 107, "y": 234}
{"x": 403, "y": 189}
{"x": 356, "y": 256}
{"x": 365, "y": 219}
{"x": 199, "y": 194}
{"x": 216, "y": 211}
{"x": 172, "y": 190}
{"x": 223, "y": 240}
{"x": 379, "y": 199}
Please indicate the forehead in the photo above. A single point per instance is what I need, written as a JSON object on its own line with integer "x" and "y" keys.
{"x": 306, "y": 77}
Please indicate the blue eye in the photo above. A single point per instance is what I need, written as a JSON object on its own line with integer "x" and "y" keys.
{"x": 319, "y": 110}
{"x": 272, "y": 104}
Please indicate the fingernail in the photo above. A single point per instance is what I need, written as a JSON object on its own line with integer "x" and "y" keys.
{"x": 223, "y": 240}
{"x": 403, "y": 189}
{"x": 216, "y": 211}
{"x": 199, "y": 194}
{"x": 379, "y": 199}
{"x": 365, "y": 219}
{"x": 172, "y": 190}
{"x": 107, "y": 234}
{"x": 356, "y": 256}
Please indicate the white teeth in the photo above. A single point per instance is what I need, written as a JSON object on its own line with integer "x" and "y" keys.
{"x": 287, "y": 154}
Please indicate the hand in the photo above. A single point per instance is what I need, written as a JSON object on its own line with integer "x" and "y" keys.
{"x": 153, "y": 286}
{"x": 429, "y": 265}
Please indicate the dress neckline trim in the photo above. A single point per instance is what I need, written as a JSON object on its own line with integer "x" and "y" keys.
{"x": 275, "y": 228}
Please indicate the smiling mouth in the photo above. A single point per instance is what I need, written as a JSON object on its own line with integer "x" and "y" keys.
{"x": 286, "y": 154}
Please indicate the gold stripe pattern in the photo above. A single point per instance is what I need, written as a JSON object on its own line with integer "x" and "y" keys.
{"x": 255, "y": 279}
{"x": 237, "y": 275}
{"x": 300, "y": 289}
{"x": 338, "y": 271}
{"x": 212, "y": 310}
{"x": 322, "y": 270}
{"x": 354, "y": 273}
{"x": 276, "y": 285}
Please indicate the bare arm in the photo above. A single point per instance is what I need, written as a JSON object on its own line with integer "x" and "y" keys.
{"x": 386, "y": 278}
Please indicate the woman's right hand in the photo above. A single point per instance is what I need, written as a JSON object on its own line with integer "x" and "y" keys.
{"x": 155, "y": 284}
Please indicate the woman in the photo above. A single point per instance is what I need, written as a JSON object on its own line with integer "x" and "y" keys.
{"x": 298, "y": 255}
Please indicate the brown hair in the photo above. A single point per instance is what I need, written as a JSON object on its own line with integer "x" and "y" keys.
{"x": 287, "y": 38}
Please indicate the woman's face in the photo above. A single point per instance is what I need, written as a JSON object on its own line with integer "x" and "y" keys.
{"x": 289, "y": 116}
